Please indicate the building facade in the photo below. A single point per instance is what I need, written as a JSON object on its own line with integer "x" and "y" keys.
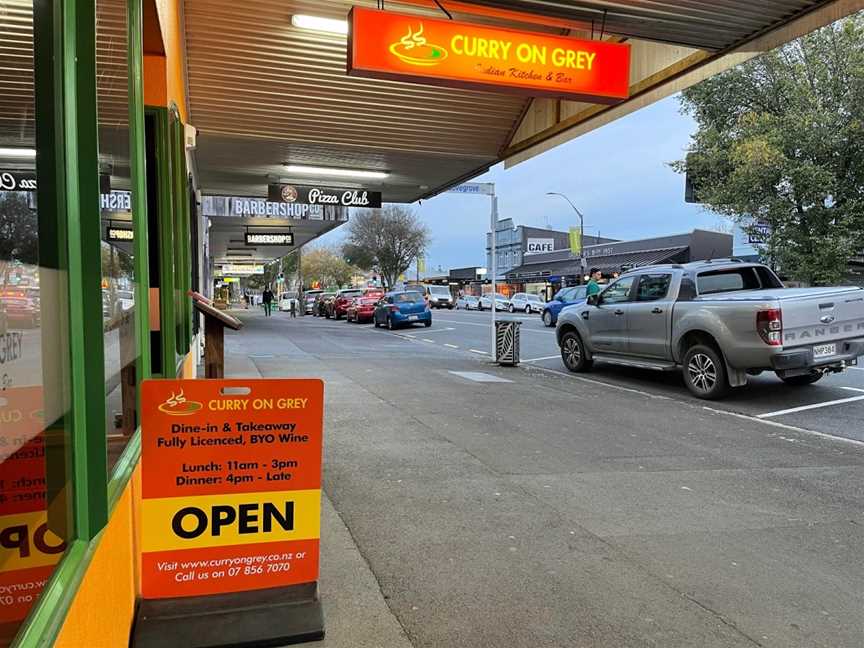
{"x": 513, "y": 243}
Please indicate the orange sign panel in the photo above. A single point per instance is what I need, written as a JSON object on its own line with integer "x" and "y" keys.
{"x": 231, "y": 485}
{"x": 447, "y": 52}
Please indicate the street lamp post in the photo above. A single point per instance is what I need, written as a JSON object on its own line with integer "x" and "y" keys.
{"x": 581, "y": 231}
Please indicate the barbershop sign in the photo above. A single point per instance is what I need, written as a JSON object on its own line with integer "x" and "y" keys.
{"x": 315, "y": 195}
{"x": 451, "y": 53}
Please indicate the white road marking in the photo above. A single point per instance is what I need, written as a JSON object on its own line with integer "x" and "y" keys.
{"x": 437, "y": 330}
{"x": 855, "y": 389}
{"x": 543, "y": 358}
{"x": 408, "y": 335}
{"x": 600, "y": 383}
{"x": 479, "y": 376}
{"x": 452, "y": 346}
{"x": 804, "y": 408}
{"x": 478, "y": 351}
{"x": 785, "y": 426}
{"x": 428, "y": 340}
{"x": 856, "y": 368}
{"x": 486, "y": 326}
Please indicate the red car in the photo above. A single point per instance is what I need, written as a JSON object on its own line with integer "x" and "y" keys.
{"x": 362, "y": 308}
{"x": 339, "y": 306}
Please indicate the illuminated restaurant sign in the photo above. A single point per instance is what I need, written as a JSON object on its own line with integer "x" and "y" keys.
{"x": 120, "y": 234}
{"x": 270, "y": 238}
{"x": 315, "y": 195}
{"x": 394, "y": 46}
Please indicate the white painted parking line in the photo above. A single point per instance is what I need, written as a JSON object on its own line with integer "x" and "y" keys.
{"x": 856, "y": 368}
{"x": 478, "y": 351}
{"x": 855, "y": 389}
{"x": 452, "y": 346}
{"x": 428, "y": 340}
{"x": 486, "y": 326}
{"x": 441, "y": 330}
{"x": 543, "y": 358}
{"x": 804, "y": 408}
{"x": 479, "y": 376}
{"x": 785, "y": 426}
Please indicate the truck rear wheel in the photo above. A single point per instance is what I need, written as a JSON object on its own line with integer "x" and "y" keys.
{"x": 801, "y": 380}
{"x": 705, "y": 372}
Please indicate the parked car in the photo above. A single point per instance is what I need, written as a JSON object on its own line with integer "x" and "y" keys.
{"x": 501, "y": 302}
{"x": 526, "y": 302}
{"x": 309, "y": 300}
{"x": 21, "y": 306}
{"x": 286, "y": 299}
{"x": 440, "y": 297}
{"x": 468, "y": 302}
{"x": 377, "y": 293}
{"x": 319, "y": 308}
{"x": 362, "y": 309}
{"x": 718, "y": 321}
{"x": 402, "y": 308}
{"x": 339, "y": 306}
{"x": 563, "y": 298}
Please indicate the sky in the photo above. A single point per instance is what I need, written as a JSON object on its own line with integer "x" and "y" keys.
{"x": 618, "y": 176}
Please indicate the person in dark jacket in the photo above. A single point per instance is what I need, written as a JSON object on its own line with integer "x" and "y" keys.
{"x": 267, "y": 298}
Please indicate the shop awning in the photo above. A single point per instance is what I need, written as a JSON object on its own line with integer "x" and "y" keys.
{"x": 606, "y": 264}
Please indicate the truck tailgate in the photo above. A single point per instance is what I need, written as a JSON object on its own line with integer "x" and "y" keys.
{"x": 812, "y": 316}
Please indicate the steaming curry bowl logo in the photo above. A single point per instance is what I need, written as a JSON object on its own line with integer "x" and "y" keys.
{"x": 177, "y": 405}
{"x": 414, "y": 49}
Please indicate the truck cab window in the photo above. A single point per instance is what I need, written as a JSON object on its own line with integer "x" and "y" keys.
{"x": 728, "y": 280}
{"x": 618, "y": 292}
{"x": 653, "y": 287}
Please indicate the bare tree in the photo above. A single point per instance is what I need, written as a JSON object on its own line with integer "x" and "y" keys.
{"x": 386, "y": 240}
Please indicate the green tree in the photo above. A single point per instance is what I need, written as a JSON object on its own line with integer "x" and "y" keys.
{"x": 386, "y": 240}
{"x": 780, "y": 143}
{"x": 326, "y": 266}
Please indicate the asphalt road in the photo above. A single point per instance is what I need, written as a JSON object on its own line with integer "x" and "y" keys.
{"x": 528, "y": 508}
{"x": 834, "y": 405}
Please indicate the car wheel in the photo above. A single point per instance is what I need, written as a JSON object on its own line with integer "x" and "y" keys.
{"x": 547, "y": 319}
{"x": 573, "y": 353}
{"x": 705, "y": 372}
{"x": 801, "y": 381}
{"x": 427, "y": 324}
{"x": 512, "y": 308}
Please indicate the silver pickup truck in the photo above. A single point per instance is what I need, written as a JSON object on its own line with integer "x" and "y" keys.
{"x": 719, "y": 321}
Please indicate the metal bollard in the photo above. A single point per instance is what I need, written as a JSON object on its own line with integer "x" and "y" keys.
{"x": 507, "y": 342}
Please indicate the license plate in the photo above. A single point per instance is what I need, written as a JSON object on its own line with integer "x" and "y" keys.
{"x": 412, "y": 318}
{"x": 824, "y": 350}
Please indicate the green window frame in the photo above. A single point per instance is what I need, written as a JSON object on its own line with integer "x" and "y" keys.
{"x": 65, "y": 81}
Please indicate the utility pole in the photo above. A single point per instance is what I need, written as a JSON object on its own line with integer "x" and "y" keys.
{"x": 494, "y": 233}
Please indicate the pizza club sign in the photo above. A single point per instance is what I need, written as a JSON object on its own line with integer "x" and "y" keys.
{"x": 17, "y": 181}
{"x": 394, "y": 46}
{"x": 314, "y": 195}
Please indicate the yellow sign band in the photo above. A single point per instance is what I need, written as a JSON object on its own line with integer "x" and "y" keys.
{"x": 237, "y": 519}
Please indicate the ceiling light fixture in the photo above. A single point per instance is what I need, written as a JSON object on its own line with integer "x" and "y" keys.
{"x": 316, "y": 23}
{"x": 18, "y": 152}
{"x": 302, "y": 169}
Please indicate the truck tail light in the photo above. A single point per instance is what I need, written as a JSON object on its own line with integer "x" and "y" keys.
{"x": 769, "y": 323}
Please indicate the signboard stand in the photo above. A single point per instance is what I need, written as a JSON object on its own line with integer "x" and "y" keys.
{"x": 215, "y": 322}
{"x": 230, "y": 513}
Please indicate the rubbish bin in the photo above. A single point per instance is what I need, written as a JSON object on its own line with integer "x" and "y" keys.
{"x": 507, "y": 342}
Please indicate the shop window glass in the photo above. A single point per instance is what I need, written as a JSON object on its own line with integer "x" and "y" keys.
{"x": 35, "y": 402}
{"x": 118, "y": 276}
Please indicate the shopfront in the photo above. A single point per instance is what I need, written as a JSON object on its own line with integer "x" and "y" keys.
{"x": 546, "y": 274}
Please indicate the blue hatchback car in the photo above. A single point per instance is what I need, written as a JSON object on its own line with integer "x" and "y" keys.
{"x": 563, "y": 298}
{"x": 402, "y": 308}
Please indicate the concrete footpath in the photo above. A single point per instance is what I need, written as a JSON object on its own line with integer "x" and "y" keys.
{"x": 488, "y": 507}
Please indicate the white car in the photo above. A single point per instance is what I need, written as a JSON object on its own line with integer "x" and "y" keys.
{"x": 285, "y": 300}
{"x": 468, "y": 302}
{"x": 501, "y": 302}
{"x": 526, "y": 303}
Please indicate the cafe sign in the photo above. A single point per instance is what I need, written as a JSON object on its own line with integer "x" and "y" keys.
{"x": 315, "y": 195}
{"x": 388, "y": 45}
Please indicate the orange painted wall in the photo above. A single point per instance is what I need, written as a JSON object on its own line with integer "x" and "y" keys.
{"x": 155, "y": 82}
{"x": 175, "y": 67}
{"x": 110, "y": 586}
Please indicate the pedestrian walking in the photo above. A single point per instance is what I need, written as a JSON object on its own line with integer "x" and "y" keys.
{"x": 267, "y": 298}
{"x": 246, "y": 298}
{"x": 593, "y": 287}
{"x": 293, "y": 307}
